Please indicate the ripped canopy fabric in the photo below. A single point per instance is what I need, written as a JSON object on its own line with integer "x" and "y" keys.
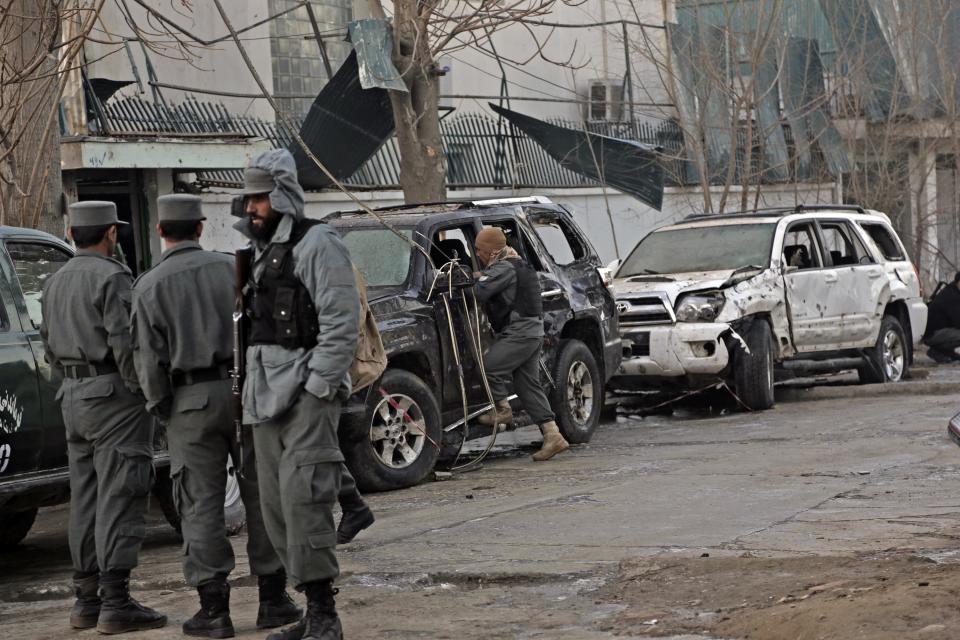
{"x": 628, "y": 166}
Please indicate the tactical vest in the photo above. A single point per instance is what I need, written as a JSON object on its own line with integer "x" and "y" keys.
{"x": 526, "y": 300}
{"x": 280, "y": 308}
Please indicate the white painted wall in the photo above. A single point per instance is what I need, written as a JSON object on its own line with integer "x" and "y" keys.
{"x": 590, "y": 53}
{"x": 218, "y": 67}
{"x": 632, "y": 220}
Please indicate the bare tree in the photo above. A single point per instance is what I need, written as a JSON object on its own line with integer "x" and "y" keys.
{"x": 31, "y": 48}
{"x": 423, "y": 30}
{"x": 886, "y": 97}
{"x": 41, "y": 51}
{"x": 724, "y": 73}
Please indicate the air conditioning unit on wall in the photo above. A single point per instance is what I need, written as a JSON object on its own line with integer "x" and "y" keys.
{"x": 604, "y": 101}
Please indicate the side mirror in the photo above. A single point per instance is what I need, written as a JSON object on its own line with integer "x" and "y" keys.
{"x": 613, "y": 265}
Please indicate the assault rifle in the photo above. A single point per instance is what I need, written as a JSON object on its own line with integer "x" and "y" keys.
{"x": 241, "y": 271}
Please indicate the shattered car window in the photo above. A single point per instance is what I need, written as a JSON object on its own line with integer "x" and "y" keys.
{"x": 34, "y": 264}
{"x": 799, "y": 248}
{"x": 706, "y": 248}
{"x": 382, "y": 257}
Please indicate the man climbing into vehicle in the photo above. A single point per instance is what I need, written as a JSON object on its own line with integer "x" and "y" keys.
{"x": 509, "y": 289}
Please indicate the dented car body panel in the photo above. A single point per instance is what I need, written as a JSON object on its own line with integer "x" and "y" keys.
{"x": 823, "y": 288}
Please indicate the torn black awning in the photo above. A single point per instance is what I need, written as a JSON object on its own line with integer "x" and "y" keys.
{"x": 626, "y": 165}
{"x": 345, "y": 126}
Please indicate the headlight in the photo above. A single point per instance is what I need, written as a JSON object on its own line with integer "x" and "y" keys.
{"x": 700, "y": 307}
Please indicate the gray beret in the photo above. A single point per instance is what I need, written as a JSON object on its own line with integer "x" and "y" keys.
{"x": 180, "y": 207}
{"x": 257, "y": 180}
{"x": 93, "y": 213}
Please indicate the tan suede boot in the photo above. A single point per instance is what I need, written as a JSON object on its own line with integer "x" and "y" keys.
{"x": 501, "y": 414}
{"x": 553, "y": 442}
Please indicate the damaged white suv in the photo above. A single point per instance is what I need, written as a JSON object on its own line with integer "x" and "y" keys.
{"x": 733, "y": 297}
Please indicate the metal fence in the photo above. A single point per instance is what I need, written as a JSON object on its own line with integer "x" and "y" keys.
{"x": 482, "y": 151}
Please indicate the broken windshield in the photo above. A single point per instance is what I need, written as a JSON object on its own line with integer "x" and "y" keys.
{"x": 381, "y": 256}
{"x": 705, "y": 248}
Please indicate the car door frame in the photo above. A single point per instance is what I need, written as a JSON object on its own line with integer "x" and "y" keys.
{"x": 476, "y": 393}
{"x": 859, "y": 316}
{"x": 814, "y": 326}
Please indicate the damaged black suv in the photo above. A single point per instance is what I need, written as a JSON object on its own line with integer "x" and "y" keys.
{"x": 385, "y": 450}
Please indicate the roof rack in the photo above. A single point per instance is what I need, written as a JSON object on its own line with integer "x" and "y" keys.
{"x": 522, "y": 200}
{"x": 829, "y": 207}
{"x": 779, "y": 211}
{"x": 749, "y": 212}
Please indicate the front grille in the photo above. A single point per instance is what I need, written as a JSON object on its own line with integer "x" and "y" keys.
{"x": 640, "y": 310}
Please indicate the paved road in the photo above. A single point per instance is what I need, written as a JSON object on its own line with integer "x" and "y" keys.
{"x": 518, "y": 549}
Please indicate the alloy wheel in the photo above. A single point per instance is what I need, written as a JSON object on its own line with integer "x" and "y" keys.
{"x": 580, "y": 393}
{"x": 892, "y": 356}
{"x": 397, "y": 431}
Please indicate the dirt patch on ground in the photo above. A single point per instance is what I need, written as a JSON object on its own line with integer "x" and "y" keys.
{"x": 881, "y": 597}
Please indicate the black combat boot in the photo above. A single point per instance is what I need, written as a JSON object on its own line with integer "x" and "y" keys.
{"x": 120, "y": 613}
{"x": 276, "y": 606}
{"x": 86, "y": 609}
{"x": 322, "y": 621}
{"x": 213, "y": 619}
{"x": 290, "y": 633}
{"x": 357, "y": 516}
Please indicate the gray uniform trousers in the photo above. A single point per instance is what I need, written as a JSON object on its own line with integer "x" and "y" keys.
{"x": 200, "y": 436}
{"x": 944, "y": 339}
{"x": 299, "y": 465}
{"x": 518, "y": 358}
{"x": 110, "y": 452}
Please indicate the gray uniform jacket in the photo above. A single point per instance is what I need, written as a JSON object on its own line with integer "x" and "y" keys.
{"x": 276, "y": 375}
{"x": 501, "y": 277}
{"x": 182, "y": 319}
{"x": 90, "y": 321}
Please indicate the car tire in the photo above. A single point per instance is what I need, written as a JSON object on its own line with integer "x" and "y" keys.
{"x": 14, "y": 526}
{"x": 886, "y": 361}
{"x": 234, "y": 512}
{"x": 577, "y": 396}
{"x": 753, "y": 372}
{"x": 393, "y": 454}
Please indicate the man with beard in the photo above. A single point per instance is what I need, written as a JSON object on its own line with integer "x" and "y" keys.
{"x": 86, "y": 336}
{"x": 182, "y": 329}
{"x": 510, "y": 292}
{"x": 303, "y": 307}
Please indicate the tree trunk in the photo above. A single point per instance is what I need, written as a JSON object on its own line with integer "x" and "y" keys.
{"x": 30, "y": 179}
{"x": 423, "y": 169}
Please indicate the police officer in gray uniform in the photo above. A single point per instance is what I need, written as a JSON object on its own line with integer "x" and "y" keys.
{"x": 86, "y": 335}
{"x": 183, "y": 348}
{"x": 510, "y": 292}
{"x": 304, "y": 312}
